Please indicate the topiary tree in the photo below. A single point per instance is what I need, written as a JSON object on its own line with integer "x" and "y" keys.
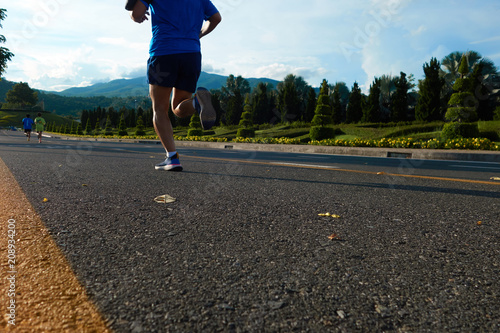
{"x": 73, "y": 128}
{"x": 97, "y": 128}
{"x": 88, "y": 127}
{"x": 246, "y": 129}
{"x": 79, "y": 130}
{"x": 140, "y": 127}
{"x": 461, "y": 108}
{"x": 122, "y": 128}
{"x": 462, "y": 103}
{"x": 108, "y": 130}
{"x": 322, "y": 116}
{"x": 195, "y": 126}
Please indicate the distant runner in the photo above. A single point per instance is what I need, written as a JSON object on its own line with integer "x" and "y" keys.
{"x": 40, "y": 125}
{"x": 27, "y": 126}
{"x": 174, "y": 65}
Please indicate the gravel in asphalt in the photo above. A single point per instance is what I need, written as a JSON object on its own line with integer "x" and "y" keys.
{"x": 243, "y": 249}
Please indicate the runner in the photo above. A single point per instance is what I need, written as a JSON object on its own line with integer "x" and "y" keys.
{"x": 40, "y": 124}
{"x": 174, "y": 65}
{"x": 27, "y": 126}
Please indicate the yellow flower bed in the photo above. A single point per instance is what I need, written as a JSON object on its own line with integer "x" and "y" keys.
{"x": 463, "y": 143}
{"x": 282, "y": 141}
{"x": 199, "y": 138}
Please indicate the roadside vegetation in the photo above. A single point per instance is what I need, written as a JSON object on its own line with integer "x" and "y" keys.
{"x": 388, "y": 135}
{"x": 456, "y": 106}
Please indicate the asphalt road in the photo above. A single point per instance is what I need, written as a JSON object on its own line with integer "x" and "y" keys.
{"x": 243, "y": 248}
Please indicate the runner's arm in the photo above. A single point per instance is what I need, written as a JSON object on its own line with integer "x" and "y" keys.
{"x": 140, "y": 12}
{"x": 212, "y": 22}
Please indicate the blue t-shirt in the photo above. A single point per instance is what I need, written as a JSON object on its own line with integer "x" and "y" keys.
{"x": 27, "y": 123}
{"x": 177, "y": 24}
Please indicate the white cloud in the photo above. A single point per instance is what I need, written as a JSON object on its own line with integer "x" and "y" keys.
{"x": 415, "y": 32}
{"x": 487, "y": 40}
{"x": 122, "y": 42}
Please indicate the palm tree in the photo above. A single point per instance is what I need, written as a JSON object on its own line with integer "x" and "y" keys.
{"x": 451, "y": 63}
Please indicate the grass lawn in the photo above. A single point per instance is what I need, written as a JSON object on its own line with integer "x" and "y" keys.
{"x": 12, "y": 118}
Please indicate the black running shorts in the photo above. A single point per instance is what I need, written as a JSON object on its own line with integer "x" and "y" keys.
{"x": 180, "y": 71}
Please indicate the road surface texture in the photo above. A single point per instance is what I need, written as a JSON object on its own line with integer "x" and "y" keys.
{"x": 409, "y": 246}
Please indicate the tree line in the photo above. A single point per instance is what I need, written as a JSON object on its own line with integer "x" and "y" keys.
{"x": 389, "y": 98}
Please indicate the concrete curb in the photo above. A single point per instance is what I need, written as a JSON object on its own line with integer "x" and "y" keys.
{"x": 425, "y": 154}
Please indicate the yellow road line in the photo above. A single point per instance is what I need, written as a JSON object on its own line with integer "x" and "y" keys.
{"x": 302, "y": 166}
{"x": 48, "y": 296}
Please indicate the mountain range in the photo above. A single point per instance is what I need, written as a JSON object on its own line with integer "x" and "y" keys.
{"x": 119, "y": 93}
{"x": 139, "y": 86}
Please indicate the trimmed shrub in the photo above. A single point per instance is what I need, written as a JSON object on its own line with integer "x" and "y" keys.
{"x": 245, "y": 133}
{"x": 457, "y": 130}
{"x": 195, "y": 126}
{"x": 461, "y": 114}
{"x": 79, "y": 130}
{"x": 140, "y": 127}
{"x": 246, "y": 120}
{"x": 194, "y": 122}
{"x": 195, "y": 132}
{"x": 108, "y": 130}
{"x": 122, "y": 128}
{"x": 319, "y": 133}
{"x": 246, "y": 129}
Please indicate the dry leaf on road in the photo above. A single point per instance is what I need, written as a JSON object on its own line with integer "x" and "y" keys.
{"x": 164, "y": 199}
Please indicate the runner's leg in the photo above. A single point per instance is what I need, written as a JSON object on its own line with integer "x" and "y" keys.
{"x": 160, "y": 97}
{"x": 182, "y": 103}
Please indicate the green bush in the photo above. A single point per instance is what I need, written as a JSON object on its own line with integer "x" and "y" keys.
{"x": 319, "y": 133}
{"x": 195, "y": 132}
{"x": 246, "y": 120}
{"x": 140, "y": 127}
{"x": 461, "y": 113}
{"x": 465, "y": 99}
{"x": 461, "y": 84}
{"x": 108, "y": 130}
{"x": 245, "y": 133}
{"x": 139, "y": 132}
{"x": 79, "y": 130}
{"x": 455, "y": 130}
{"x": 321, "y": 119}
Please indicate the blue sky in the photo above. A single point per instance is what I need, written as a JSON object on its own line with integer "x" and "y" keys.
{"x": 66, "y": 43}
